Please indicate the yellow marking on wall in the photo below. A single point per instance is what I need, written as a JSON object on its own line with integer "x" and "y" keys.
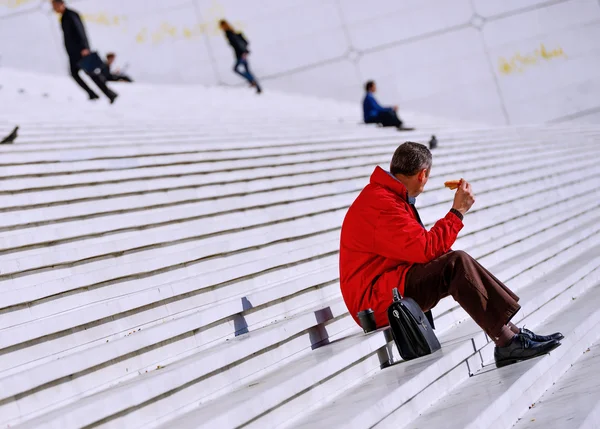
{"x": 13, "y": 4}
{"x": 103, "y": 19}
{"x": 519, "y": 63}
{"x": 166, "y": 32}
{"x": 142, "y": 36}
{"x": 159, "y": 33}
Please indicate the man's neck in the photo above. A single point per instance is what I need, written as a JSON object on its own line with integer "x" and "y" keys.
{"x": 407, "y": 184}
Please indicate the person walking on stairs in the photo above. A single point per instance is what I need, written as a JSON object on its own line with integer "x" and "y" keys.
{"x": 240, "y": 47}
{"x": 373, "y": 113}
{"x": 384, "y": 245}
{"x": 78, "y": 47}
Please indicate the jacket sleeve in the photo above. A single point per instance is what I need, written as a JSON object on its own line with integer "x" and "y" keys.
{"x": 378, "y": 108}
{"x": 80, "y": 30}
{"x": 399, "y": 236}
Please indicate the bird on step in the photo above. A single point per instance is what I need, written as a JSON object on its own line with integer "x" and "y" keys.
{"x": 433, "y": 143}
{"x": 11, "y": 137}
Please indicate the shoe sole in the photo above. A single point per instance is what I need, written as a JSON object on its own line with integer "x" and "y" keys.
{"x": 512, "y": 361}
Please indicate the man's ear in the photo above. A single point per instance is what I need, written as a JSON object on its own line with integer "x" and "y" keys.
{"x": 423, "y": 175}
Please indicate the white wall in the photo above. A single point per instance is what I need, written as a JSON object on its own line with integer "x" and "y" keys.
{"x": 476, "y": 60}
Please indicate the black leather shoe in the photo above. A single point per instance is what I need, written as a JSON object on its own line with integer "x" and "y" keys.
{"x": 522, "y": 348}
{"x": 542, "y": 338}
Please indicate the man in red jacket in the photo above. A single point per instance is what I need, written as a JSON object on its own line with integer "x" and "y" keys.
{"x": 385, "y": 245}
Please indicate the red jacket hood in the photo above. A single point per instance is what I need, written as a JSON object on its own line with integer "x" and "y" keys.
{"x": 383, "y": 178}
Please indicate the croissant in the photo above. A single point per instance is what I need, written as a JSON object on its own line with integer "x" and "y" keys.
{"x": 452, "y": 184}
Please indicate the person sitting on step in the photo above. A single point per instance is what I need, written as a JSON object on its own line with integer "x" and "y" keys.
{"x": 118, "y": 75}
{"x": 373, "y": 113}
{"x": 384, "y": 245}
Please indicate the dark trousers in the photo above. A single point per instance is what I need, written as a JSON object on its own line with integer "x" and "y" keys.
{"x": 119, "y": 78}
{"x": 485, "y": 298}
{"x": 246, "y": 73}
{"x": 98, "y": 80}
{"x": 387, "y": 119}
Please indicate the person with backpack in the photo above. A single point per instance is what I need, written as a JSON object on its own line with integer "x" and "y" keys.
{"x": 240, "y": 46}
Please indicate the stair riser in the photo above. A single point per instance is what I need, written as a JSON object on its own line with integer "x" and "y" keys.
{"x": 540, "y": 377}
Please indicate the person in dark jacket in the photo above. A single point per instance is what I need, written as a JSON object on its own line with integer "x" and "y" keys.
{"x": 373, "y": 113}
{"x": 240, "y": 47}
{"x": 384, "y": 245}
{"x": 78, "y": 46}
{"x": 117, "y": 75}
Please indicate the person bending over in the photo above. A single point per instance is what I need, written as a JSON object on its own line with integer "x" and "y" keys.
{"x": 384, "y": 245}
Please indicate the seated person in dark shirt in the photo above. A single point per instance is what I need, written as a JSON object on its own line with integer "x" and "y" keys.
{"x": 375, "y": 114}
{"x": 117, "y": 76}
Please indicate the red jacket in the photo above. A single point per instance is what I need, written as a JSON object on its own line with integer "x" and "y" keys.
{"x": 381, "y": 239}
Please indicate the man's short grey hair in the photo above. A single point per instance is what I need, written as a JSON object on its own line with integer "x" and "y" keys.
{"x": 410, "y": 158}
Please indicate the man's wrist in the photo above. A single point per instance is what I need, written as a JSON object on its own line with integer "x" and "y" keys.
{"x": 457, "y": 213}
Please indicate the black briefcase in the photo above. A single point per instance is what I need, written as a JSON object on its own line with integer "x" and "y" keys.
{"x": 92, "y": 64}
{"x": 410, "y": 328}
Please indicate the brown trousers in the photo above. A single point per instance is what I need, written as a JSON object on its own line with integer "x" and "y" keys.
{"x": 485, "y": 298}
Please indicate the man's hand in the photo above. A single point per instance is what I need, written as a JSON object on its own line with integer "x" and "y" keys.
{"x": 464, "y": 199}
{"x": 85, "y": 52}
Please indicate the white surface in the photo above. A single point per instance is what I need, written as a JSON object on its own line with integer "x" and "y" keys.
{"x": 573, "y": 401}
{"x": 164, "y": 263}
{"x": 433, "y": 56}
{"x": 496, "y": 398}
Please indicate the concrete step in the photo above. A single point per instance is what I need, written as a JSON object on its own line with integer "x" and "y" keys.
{"x": 573, "y": 401}
{"x": 15, "y": 318}
{"x": 367, "y": 401}
{"x": 194, "y": 367}
{"x": 155, "y": 237}
{"x": 497, "y": 397}
{"x": 19, "y": 238}
{"x": 190, "y": 177}
{"x": 375, "y": 401}
{"x": 160, "y": 260}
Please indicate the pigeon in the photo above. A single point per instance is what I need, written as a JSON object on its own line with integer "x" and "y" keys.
{"x": 11, "y": 137}
{"x": 433, "y": 143}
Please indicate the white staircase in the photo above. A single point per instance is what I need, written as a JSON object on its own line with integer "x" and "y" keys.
{"x": 171, "y": 261}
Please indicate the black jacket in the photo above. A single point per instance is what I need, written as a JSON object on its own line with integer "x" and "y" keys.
{"x": 237, "y": 42}
{"x": 74, "y": 32}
